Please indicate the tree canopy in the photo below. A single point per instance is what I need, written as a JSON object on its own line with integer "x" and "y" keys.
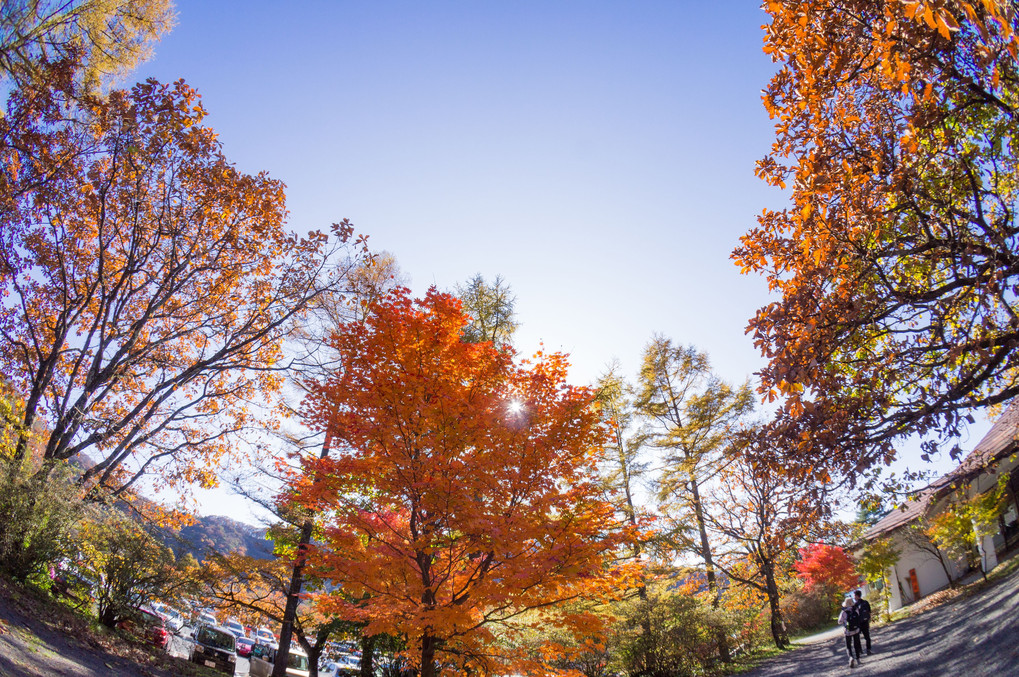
{"x": 462, "y": 488}
{"x": 147, "y": 283}
{"x": 107, "y": 37}
{"x": 895, "y": 131}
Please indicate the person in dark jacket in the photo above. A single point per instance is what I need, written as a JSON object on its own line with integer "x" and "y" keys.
{"x": 862, "y": 607}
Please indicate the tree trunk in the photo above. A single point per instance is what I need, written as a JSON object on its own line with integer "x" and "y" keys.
{"x": 709, "y": 565}
{"x": 314, "y": 652}
{"x": 368, "y": 656}
{"x": 631, "y": 515}
{"x": 296, "y": 583}
{"x": 944, "y": 565}
{"x": 778, "y": 631}
{"x": 428, "y": 656}
{"x": 293, "y": 599}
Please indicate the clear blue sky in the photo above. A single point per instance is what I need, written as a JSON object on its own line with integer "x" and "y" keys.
{"x": 599, "y": 156}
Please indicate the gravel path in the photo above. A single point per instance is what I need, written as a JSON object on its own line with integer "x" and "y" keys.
{"x": 973, "y": 637}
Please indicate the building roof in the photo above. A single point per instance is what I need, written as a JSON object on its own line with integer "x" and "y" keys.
{"x": 999, "y": 441}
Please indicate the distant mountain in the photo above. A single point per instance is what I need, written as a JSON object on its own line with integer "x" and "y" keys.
{"x": 212, "y": 533}
{"x": 220, "y": 534}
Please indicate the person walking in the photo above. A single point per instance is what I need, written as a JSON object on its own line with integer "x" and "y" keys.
{"x": 862, "y": 607}
{"x": 848, "y": 620}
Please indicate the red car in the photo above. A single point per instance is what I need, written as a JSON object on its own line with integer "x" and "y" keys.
{"x": 244, "y": 645}
{"x": 148, "y": 625}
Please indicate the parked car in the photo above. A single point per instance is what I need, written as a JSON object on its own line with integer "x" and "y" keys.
{"x": 174, "y": 619}
{"x": 265, "y": 636}
{"x": 215, "y": 647}
{"x": 148, "y": 625}
{"x": 343, "y": 666}
{"x": 234, "y": 626}
{"x": 206, "y": 618}
{"x": 244, "y": 645}
{"x": 263, "y": 658}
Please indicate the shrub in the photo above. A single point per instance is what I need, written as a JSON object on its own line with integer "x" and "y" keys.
{"x": 683, "y": 637}
{"x": 36, "y": 518}
{"x": 806, "y": 609}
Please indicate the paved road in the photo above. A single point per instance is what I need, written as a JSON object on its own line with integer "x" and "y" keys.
{"x": 974, "y": 637}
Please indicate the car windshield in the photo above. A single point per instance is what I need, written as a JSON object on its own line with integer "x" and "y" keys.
{"x": 150, "y": 619}
{"x": 297, "y": 661}
{"x": 217, "y": 639}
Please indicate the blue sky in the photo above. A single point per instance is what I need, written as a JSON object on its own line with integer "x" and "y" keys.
{"x": 598, "y": 156}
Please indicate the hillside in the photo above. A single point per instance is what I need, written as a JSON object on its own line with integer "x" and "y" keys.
{"x": 209, "y": 533}
{"x": 220, "y": 534}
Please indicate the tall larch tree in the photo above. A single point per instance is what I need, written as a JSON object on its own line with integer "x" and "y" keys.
{"x": 107, "y": 37}
{"x": 896, "y": 260}
{"x": 625, "y": 468}
{"x": 693, "y": 414}
{"x": 490, "y": 306}
{"x": 461, "y": 492}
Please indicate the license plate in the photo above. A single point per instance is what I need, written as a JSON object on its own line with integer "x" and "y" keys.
{"x": 211, "y": 664}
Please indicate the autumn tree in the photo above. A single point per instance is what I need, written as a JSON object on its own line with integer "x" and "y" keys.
{"x": 928, "y": 534}
{"x": 490, "y": 307}
{"x": 895, "y": 261}
{"x": 957, "y": 529}
{"x": 107, "y": 37}
{"x": 148, "y": 284}
{"x": 130, "y": 565}
{"x": 256, "y": 590}
{"x": 828, "y": 568}
{"x": 368, "y": 280}
{"x": 758, "y": 516}
{"x": 692, "y": 415}
{"x": 447, "y": 511}
{"x": 876, "y": 557}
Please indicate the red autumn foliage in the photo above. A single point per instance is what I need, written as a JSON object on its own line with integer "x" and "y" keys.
{"x": 826, "y": 565}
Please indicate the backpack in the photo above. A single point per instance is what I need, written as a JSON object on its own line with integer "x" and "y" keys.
{"x": 852, "y": 620}
{"x": 862, "y": 609}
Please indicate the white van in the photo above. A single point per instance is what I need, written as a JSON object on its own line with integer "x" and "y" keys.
{"x": 263, "y": 657}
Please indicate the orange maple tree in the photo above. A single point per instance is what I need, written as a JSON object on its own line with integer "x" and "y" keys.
{"x": 896, "y": 261}
{"x": 461, "y": 493}
{"x": 147, "y": 284}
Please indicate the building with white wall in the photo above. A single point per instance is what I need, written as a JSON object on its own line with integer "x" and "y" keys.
{"x": 921, "y": 568}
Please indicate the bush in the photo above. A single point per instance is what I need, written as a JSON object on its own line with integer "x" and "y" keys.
{"x": 36, "y": 518}
{"x": 683, "y": 638}
{"x": 805, "y": 610}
